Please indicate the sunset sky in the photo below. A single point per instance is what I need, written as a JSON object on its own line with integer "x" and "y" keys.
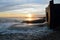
{"x": 17, "y": 8}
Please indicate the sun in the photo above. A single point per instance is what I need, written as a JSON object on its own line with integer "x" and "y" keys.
{"x": 29, "y": 17}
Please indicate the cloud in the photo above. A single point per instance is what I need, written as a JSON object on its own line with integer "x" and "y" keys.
{"x": 28, "y": 8}
{"x": 24, "y": 6}
{"x": 6, "y": 5}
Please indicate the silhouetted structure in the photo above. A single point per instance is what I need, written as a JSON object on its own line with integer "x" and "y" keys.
{"x": 53, "y": 15}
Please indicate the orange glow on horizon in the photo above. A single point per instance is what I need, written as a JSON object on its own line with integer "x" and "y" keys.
{"x": 29, "y": 17}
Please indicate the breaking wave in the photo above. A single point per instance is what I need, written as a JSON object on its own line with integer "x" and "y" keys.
{"x": 23, "y": 30}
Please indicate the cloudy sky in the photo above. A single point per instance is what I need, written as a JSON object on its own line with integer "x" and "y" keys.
{"x": 23, "y": 6}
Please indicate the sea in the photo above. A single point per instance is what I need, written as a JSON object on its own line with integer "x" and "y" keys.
{"x": 14, "y": 29}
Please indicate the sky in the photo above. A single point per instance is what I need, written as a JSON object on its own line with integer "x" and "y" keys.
{"x": 22, "y": 7}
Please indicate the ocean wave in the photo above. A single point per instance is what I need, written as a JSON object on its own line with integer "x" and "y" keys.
{"x": 17, "y": 30}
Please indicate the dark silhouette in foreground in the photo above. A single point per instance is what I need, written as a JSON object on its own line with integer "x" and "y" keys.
{"x": 53, "y": 15}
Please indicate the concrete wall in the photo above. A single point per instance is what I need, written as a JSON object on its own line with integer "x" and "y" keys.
{"x": 53, "y": 15}
{"x": 48, "y": 15}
